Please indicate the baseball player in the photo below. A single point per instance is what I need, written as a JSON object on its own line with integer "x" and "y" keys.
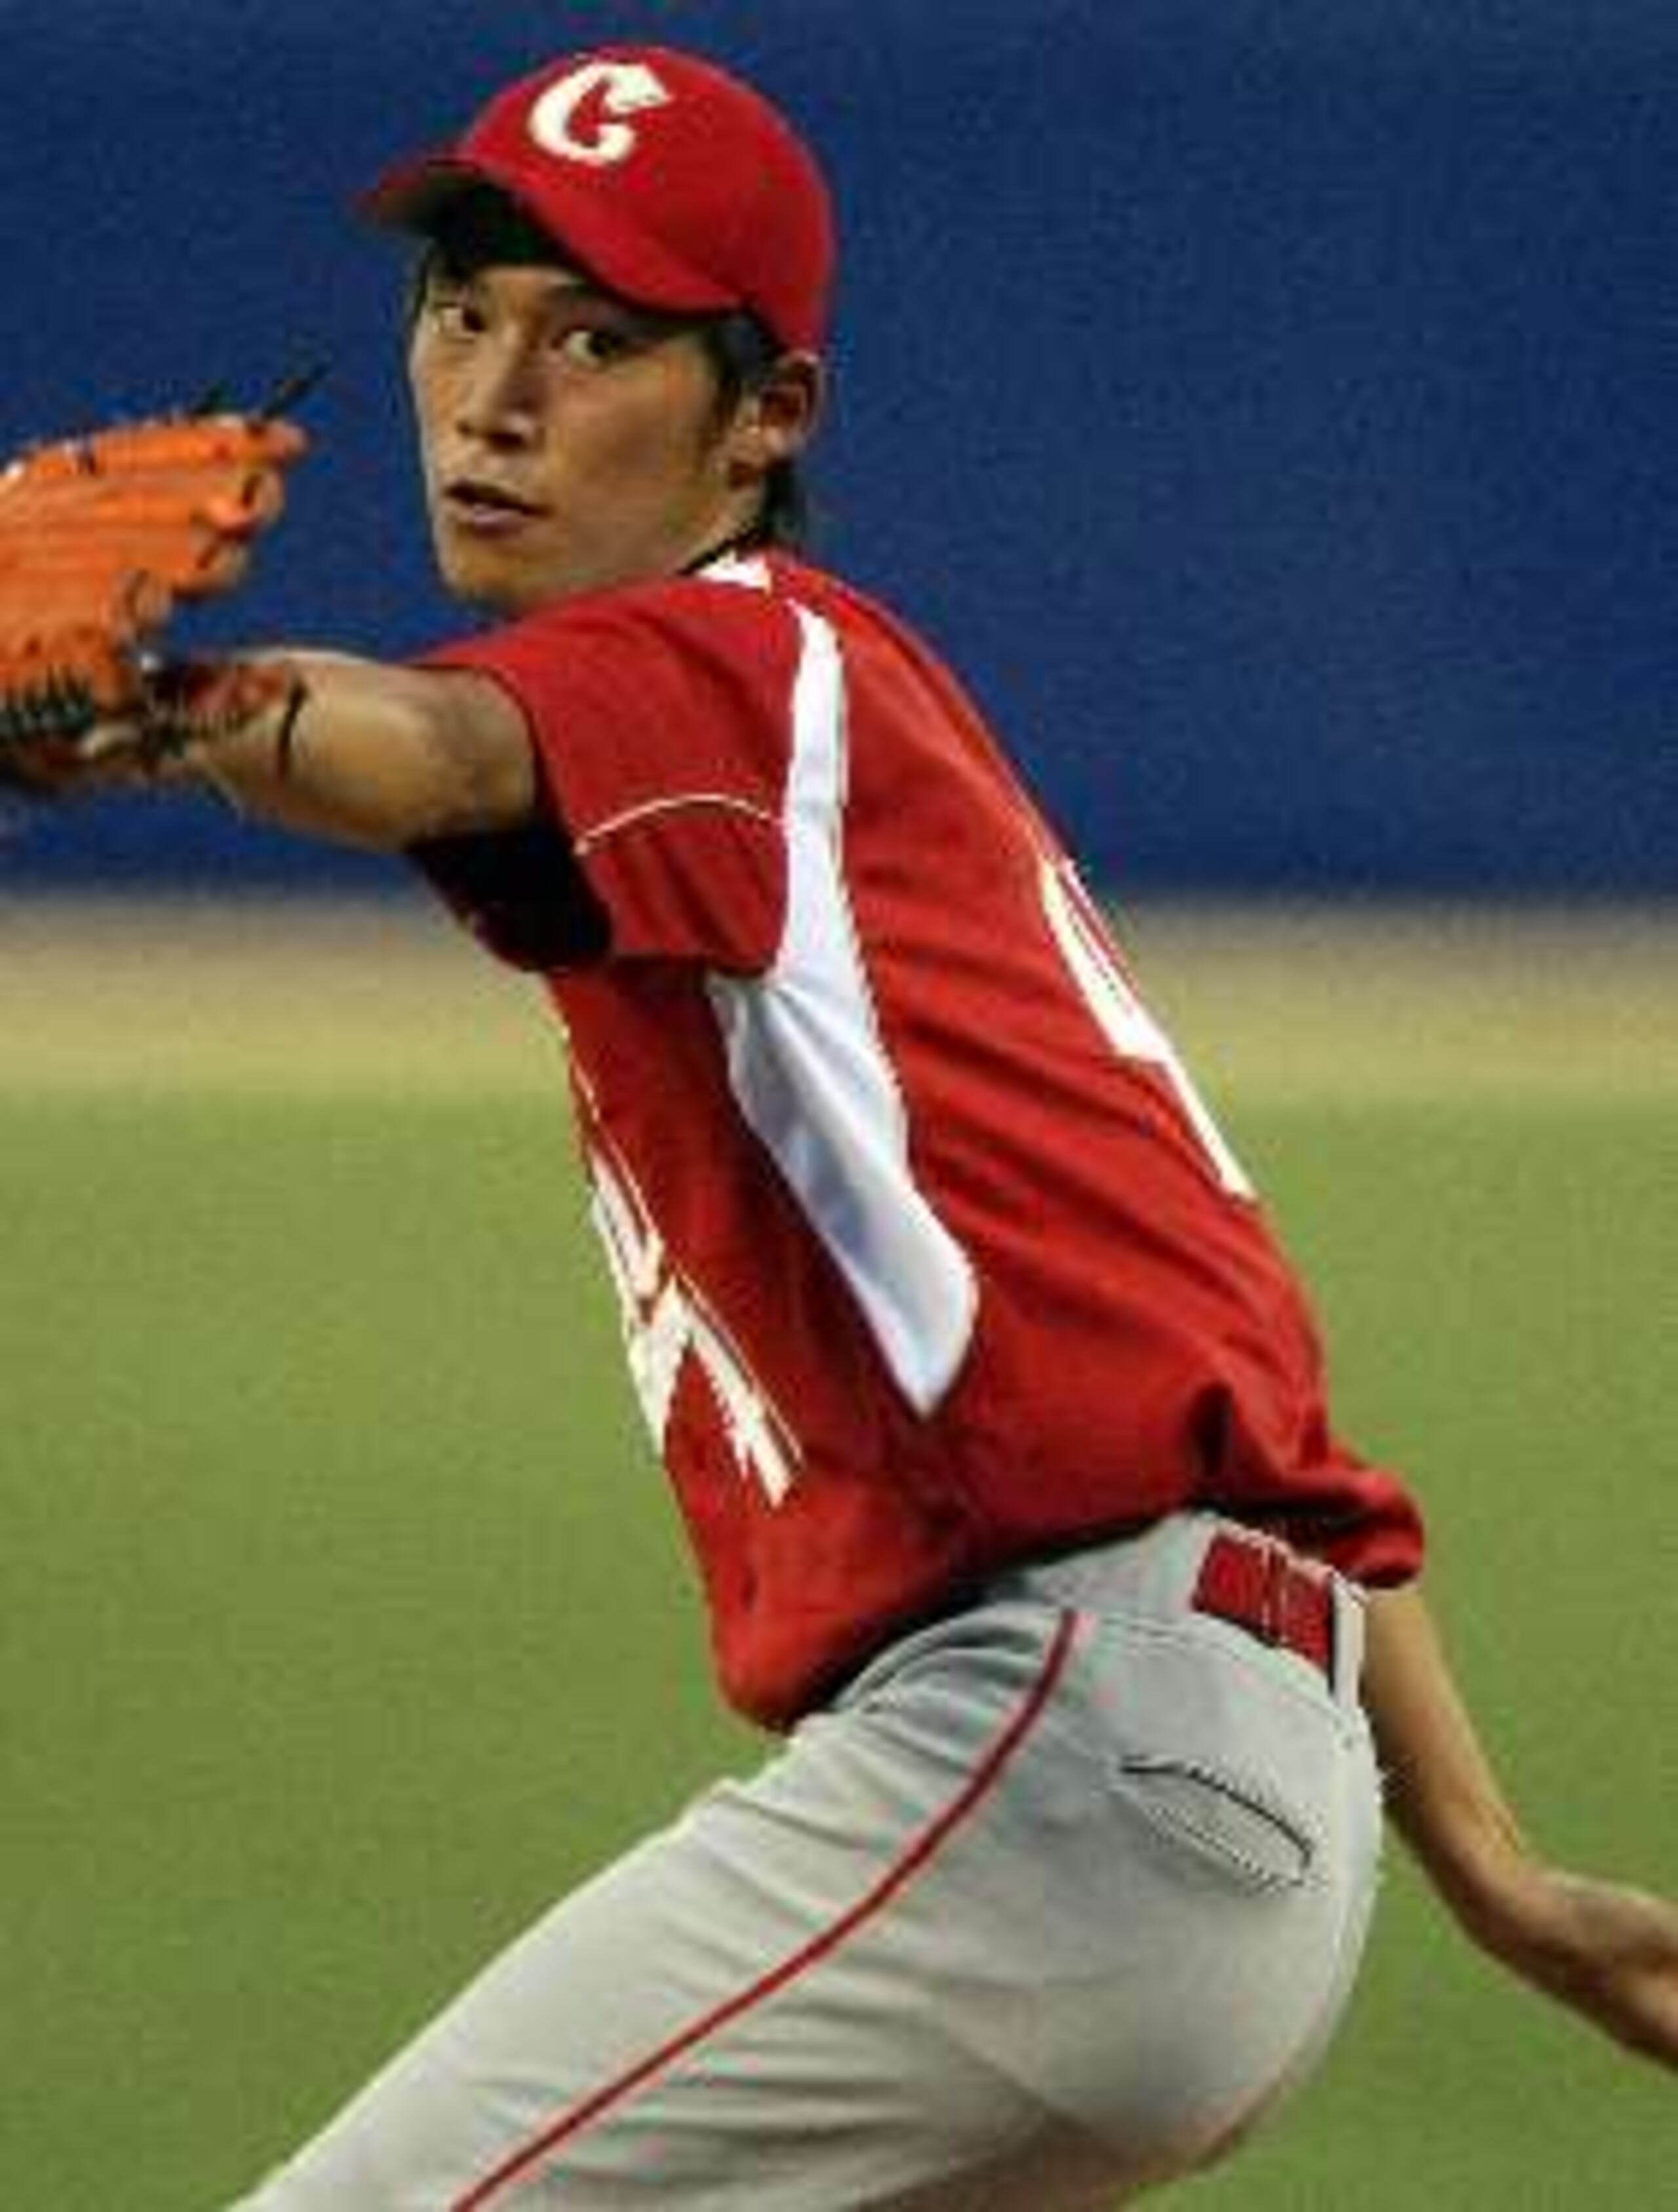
{"x": 995, "y": 1414}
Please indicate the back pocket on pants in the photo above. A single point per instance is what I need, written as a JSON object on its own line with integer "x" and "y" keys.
{"x": 1234, "y": 1827}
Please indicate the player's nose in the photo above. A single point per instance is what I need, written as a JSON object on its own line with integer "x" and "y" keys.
{"x": 499, "y": 402}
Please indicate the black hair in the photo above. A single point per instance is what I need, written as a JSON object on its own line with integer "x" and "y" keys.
{"x": 483, "y": 225}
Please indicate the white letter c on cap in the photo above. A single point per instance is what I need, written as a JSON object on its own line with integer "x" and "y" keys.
{"x": 626, "y": 88}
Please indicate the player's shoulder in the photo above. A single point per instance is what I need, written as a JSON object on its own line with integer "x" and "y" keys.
{"x": 738, "y": 595}
{"x": 765, "y": 600}
{"x": 760, "y": 584}
{"x": 755, "y": 604}
{"x": 797, "y": 581}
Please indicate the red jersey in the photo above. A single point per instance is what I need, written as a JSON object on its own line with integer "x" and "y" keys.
{"x": 931, "y": 1258}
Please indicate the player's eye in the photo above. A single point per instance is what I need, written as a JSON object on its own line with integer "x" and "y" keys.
{"x": 456, "y": 315}
{"x": 593, "y": 346}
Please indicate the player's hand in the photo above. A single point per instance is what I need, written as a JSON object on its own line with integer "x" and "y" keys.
{"x": 180, "y": 710}
{"x": 1610, "y": 1952}
{"x": 103, "y": 538}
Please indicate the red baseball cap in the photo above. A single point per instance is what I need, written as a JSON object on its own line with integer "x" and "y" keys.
{"x": 673, "y": 183}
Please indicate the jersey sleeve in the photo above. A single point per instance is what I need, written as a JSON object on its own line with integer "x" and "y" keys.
{"x": 661, "y": 720}
{"x": 520, "y": 892}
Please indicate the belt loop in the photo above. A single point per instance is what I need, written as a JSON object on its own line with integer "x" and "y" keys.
{"x": 1272, "y": 1623}
{"x": 1348, "y": 1642}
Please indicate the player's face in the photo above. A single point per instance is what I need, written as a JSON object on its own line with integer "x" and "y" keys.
{"x": 568, "y": 441}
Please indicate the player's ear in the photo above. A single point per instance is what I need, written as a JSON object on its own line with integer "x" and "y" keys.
{"x": 777, "y": 418}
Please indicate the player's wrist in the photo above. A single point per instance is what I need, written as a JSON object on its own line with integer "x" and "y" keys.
{"x": 232, "y": 728}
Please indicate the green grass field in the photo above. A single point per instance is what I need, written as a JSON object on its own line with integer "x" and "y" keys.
{"x": 343, "y": 1623}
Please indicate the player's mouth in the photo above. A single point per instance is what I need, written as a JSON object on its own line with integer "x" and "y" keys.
{"x": 487, "y": 509}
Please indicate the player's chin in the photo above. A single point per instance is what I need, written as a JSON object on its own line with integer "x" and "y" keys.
{"x": 481, "y": 577}
{"x": 512, "y": 572}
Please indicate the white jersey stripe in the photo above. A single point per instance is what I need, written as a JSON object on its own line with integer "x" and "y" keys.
{"x": 811, "y": 1074}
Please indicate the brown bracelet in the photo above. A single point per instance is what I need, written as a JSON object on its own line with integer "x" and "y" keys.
{"x": 285, "y": 737}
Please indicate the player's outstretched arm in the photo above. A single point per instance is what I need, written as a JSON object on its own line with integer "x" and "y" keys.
{"x": 1608, "y": 1952}
{"x": 360, "y": 751}
{"x": 368, "y": 754}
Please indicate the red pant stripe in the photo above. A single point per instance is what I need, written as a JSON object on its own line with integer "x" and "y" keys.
{"x": 919, "y": 1853}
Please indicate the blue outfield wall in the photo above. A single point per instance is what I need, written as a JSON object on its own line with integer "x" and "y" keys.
{"x": 1270, "y": 408}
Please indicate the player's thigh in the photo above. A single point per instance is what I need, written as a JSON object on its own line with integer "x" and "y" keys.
{"x": 1050, "y": 1902}
{"x": 744, "y": 2006}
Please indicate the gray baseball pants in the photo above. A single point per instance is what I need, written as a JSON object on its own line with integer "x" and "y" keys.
{"x": 1057, "y": 1899}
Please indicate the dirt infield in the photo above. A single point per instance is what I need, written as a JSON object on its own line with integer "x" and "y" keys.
{"x": 299, "y": 996}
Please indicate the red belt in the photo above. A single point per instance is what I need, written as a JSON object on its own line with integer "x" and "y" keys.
{"x": 1261, "y": 1587}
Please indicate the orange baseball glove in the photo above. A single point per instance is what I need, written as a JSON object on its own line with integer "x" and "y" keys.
{"x": 100, "y": 537}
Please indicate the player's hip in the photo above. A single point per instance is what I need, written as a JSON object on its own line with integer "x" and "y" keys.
{"x": 1067, "y": 1885}
{"x": 1162, "y": 1828}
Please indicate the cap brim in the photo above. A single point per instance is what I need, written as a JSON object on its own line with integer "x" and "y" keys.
{"x": 416, "y": 196}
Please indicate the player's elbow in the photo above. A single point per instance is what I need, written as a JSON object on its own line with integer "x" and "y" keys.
{"x": 467, "y": 764}
{"x": 386, "y": 759}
